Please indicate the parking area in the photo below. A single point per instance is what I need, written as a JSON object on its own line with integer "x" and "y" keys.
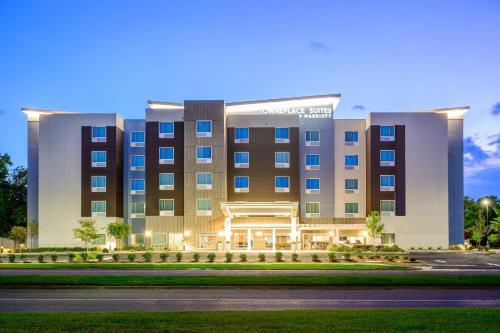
{"x": 464, "y": 260}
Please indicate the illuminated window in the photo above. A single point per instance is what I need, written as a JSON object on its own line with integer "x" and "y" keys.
{"x": 166, "y": 207}
{"x": 204, "y": 207}
{"x": 204, "y": 181}
{"x": 166, "y": 181}
{"x": 351, "y": 207}
{"x": 312, "y": 209}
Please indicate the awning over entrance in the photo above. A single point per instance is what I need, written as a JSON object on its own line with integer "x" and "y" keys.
{"x": 243, "y": 208}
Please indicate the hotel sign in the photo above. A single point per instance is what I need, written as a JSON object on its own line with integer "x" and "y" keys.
{"x": 311, "y": 112}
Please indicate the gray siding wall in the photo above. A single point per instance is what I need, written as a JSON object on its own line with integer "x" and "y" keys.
{"x": 33, "y": 130}
{"x": 456, "y": 181}
{"x": 138, "y": 224}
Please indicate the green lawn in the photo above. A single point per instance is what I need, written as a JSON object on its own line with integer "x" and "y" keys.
{"x": 187, "y": 265}
{"x": 343, "y": 320}
{"x": 311, "y": 281}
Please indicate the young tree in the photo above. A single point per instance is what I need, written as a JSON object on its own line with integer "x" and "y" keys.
{"x": 32, "y": 231}
{"x": 479, "y": 229}
{"x": 118, "y": 230}
{"x": 18, "y": 235}
{"x": 374, "y": 225}
{"x": 87, "y": 232}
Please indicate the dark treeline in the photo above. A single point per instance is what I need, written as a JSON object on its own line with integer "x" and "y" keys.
{"x": 13, "y": 195}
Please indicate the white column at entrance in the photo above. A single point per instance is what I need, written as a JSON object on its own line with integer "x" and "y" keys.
{"x": 293, "y": 233}
{"x": 274, "y": 239}
{"x": 249, "y": 239}
{"x": 227, "y": 233}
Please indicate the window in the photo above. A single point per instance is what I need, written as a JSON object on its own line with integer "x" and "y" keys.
{"x": 166, "y": 207}
{"x": 312, "y": 138}
{"x": 98, "y": 208}
{"x": 204, "y": 181}
{"x": 137, "y": 186}
{"x": 312, "y": 209}
{"x": 204, "y": 154}
{"x": 137, "y": 239}
{"x": 387, "y": 183}
{"x": 99, "y": 159}
{"x": 351, "y": 161}
{"x": 166, "y": 155}
{"x": 166, "y": 130}
{"x": 100, "y": 240}
{"x": 241, "y": 184}
{"x": 98, "y": 183}
{"x": 137, "y": 209}
{"x": 282, "y": 184}
{"x": 137, "y": 162}
{"x": 388, "y": 239}
{"x": 312, "y": 162}
{"x": 281, "y": 159}
{"x": 351, "y": 208}
{"x": 351, "y": 185}
{"x": 241, "y": 159}
{"x": 159, "y": 239}
{"x": 351, "y": 138}
{"x": 136, "y": 139}
{"x": 387, "y": 133}
{"x": 281, "y": 135}
{"x": 98, "y": 134}
{"x": 312, "y": 185}
{"x": 241, "y": 135}
{"x": 207, "y": 241}
{"x": 166, "y": 181}
{"x": 387, "y": 207}
{"x": 387, "y": 158}
{"x": 204, "y": 207}
{"x": 203, "y": 128}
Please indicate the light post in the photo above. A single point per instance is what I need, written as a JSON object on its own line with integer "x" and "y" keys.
{"x": 486, "y": 203}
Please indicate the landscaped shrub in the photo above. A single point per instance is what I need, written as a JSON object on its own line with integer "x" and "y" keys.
{"x": 377, "y": 256}
{"x": 360, "y": 256}
{"x": 40, "y": 258}
{"x": 100, "y": 257}
{"x": 392, "y": 248}
{"x": 84, "y": 256}
{"x": 196, "y": 257}
{"x": 371, "y": 256}
{"x": 315, "y": 257}
{"x": 295, "y": 257}
{"x": 105, "y": 250}
{"x": 12, "y": 258}
{"x": 22, "y": 258}
{"x": 413, "y": 259}
{"x": 131, "y": 257}
{"x": 229, "y": 256}
{"x": 278, "y": 256}
{"x": 243, "y": 257}
{"x": 211, "y": 257}
{"x": 148, "y": 256}
{"x": 456, "y": 247}
{"x": 332, "y": 257}
{"x": 406, "y": 258}
{"x": 164, "y": 256}
{"x": 178, "y": 256}
{"x": 262, "y": 257}
{"x": 389, "y": 258}
{"x": 71, "y": 257}
{"x": 439, "y": 247}
{"x": 116, "y": 257}
{"x": 346, "y": 256}
{"x": 412, "y": 248}
{"x": 429, "y": 248}
{"x": 53, "y": 257}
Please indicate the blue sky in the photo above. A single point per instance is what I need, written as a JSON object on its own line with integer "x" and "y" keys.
{"x": 112, "y": 56}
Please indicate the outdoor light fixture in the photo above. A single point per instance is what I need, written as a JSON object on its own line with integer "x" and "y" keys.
{"x": 220, "y": 233}
{"x": 187, "y": 233}
{"x": 148, "y": 233}
{"x": 365, "y": 233}
{"x": 258, "y": 233}
{"x": 486, "y": 203}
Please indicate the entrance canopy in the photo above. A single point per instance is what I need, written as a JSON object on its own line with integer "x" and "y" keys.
{"x": 243, "y": 208}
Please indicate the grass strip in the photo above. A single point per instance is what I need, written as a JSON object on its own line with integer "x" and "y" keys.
{"x": 345, "y": 320}
{"x": 231, "y": 266}
{"x": 309, "y": 281}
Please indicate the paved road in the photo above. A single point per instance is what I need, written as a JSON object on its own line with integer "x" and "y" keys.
{"x": 459, "y": 260}
{"x": 193, "y": 299}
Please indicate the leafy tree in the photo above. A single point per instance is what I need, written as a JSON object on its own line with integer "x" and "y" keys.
{"x": 13, "y": 195}
{"x": 374, "y": 225}
{"x": 18, "y": 235}
{"x": 32, "y": 228}
{"x": 479, "y": 229}
{"x": 471, "y": 209}
{"x": 118, "y": 230}
{"x": 87, "y": 232}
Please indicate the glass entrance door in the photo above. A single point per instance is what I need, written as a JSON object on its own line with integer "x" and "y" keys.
{"x": 240, "y": 240}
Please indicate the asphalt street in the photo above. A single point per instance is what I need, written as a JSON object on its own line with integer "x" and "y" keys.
{"x": 216, "y": 299}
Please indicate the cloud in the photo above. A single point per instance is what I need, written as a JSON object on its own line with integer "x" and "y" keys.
{"x": 495, "y": 110}
{"x": 481, "y": 154}
{"x": 358, "y": 108}
{"x": 319, "y": 47}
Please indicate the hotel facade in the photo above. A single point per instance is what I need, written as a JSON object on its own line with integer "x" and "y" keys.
{"x": 268, "y": 175}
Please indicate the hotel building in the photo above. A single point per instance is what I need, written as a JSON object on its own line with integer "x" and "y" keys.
{"x": 268, "y": 175}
